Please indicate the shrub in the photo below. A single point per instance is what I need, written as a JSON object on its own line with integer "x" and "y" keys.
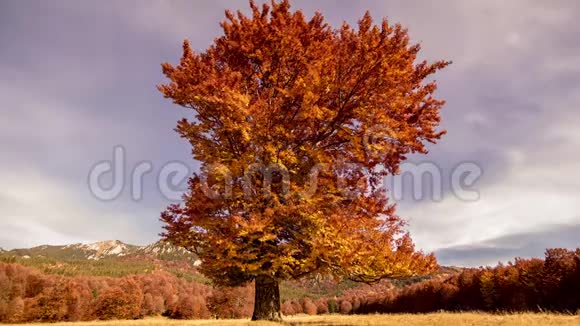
{"x": 309, "y": 307}
{"x": 115, "y": 303}
{"x": 228, "y": 302}
{"x": 345, "y": 307}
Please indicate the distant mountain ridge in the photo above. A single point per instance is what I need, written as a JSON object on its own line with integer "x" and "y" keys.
{"x": 110, "y": 249}
{"x": 115, "y": 259}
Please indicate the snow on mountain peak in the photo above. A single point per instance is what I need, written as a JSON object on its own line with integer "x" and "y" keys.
{"x": 104, "y": 249}
{"x": 107, "y": 249}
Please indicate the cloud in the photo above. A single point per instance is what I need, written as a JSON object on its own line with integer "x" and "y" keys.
{"x": 506, "y": 248}
{"x": 512, "y": 109}
{"x": 536, "y": 186}
{"x": 37, "y": 209}
{"x": 81, "y": 80}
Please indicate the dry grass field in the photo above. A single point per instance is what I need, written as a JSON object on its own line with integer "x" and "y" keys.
{"x": 437, "y": 319}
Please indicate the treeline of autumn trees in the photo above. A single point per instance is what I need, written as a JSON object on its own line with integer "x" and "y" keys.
{"x": 552, "y": 284}
{"x": 27, "y": 295}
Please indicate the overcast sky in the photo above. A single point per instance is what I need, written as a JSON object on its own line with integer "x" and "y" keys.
{"x": 78, "y": 78}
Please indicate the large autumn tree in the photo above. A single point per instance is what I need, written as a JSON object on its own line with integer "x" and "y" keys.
{"x": 295, "y": 124}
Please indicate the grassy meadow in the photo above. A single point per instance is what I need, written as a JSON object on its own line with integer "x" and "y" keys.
{"x": 436, "y": 319}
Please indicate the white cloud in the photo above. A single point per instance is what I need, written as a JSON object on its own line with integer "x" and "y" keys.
{"x": 36, "y": 209}
{"x": 61, "y": 113}
{"x": 539, "y": 189}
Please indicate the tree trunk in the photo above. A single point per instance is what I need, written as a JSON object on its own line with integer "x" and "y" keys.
{"x": 267, "y": 299}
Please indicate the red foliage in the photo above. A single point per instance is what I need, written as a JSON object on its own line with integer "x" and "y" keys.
{"x": 321, "y": 306}
{"x": 26, "y": 295}
{"x": 287, "y": 308}
{"x": 114, "y": 303}
{"x": 524, "y": 285}
{"x": 345, "y": 307}
{"x": 231, "y": 302}
{"x": 309, "y": 307}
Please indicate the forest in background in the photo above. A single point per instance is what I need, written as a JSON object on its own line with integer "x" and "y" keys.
{"x": 49, "y": 290}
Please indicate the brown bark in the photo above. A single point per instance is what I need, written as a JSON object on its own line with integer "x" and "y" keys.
{"x": 267, "y": 299}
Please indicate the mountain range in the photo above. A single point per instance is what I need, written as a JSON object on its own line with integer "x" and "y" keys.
{"x": 111, "y": 249}
{"x": 114, "y": 258}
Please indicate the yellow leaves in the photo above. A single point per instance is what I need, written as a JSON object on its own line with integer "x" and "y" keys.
{"x": 245, "y": 135}
{"x": 241, "y": 100}
{"x": 270, "y": 152}
{"x": 276, "y": 89}
{"x": 319, "y": 113}
{"x": 267, "y": 237}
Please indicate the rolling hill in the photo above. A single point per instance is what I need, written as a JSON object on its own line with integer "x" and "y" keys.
{"x": 111, "y": 249}
{"x": 114, "y": 258}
